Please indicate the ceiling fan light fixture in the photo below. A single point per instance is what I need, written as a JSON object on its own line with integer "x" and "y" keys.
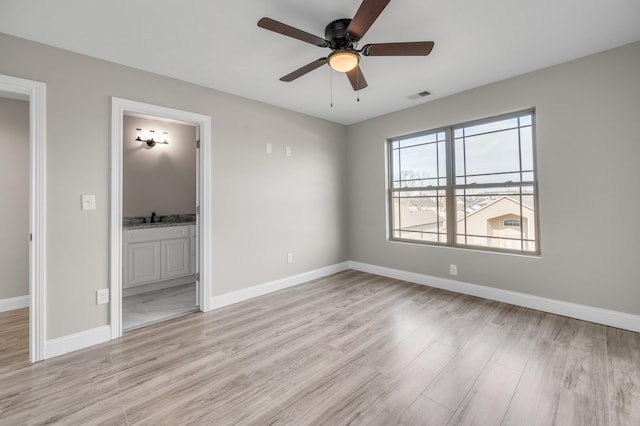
{"x": 343, "y": 60}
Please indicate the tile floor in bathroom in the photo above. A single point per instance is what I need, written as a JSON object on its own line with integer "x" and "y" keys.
{"x": 149, "y": 308}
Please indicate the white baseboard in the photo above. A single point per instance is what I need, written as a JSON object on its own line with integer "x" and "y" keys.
{"x": 95, "y": 336}
{"x": 269, "y": 287}
{"x": 84, "y": 339}
{"x": 14, "y": 303}
{"x": 76, "y": 341}
{"x": 587, "y": 313}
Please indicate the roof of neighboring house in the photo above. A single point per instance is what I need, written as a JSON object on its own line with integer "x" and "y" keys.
{"x": 488, "y": 203}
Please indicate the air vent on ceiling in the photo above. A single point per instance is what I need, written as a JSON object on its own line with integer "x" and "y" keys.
{"x": 420, "y": 95}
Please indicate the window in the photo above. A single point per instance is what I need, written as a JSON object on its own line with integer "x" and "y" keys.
{"x": 470, "y": 185}
{"x": 515, "y": 223}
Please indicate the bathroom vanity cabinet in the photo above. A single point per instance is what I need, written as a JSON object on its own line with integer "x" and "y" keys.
{"x": 157, "y": 254}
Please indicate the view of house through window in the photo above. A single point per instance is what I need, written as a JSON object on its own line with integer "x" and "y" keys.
{"x": 470, "y": 185}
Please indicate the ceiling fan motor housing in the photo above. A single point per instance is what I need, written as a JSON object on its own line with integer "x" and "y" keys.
{"x": 336, "y": 34}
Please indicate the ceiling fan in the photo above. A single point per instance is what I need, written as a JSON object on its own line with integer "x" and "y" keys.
{"x": 341, "y": 36}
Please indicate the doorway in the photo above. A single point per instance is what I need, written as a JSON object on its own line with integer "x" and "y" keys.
{"x": 14, "y": 251}
{"x": 33, "y": 93}
{"x": 159, "y": 220}
{"x": 149, "y": 260}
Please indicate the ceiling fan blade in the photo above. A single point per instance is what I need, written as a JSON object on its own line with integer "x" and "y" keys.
{"x": 414, "y": 48}
{"x": 302, "y": 71}
{"x": 357, "y": 78}
{"x": 366, "y": 15}
{"x": 284, "y": 29}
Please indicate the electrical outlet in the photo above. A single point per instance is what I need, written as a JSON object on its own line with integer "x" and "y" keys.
{"x": 287, "y": 151}
{"x": 88, "y": 202}
{"x": 289, "y": 257}
{"x": 453, "y": 269}
{"x": 269, "y": 148}
{"x": 102, "y": 296}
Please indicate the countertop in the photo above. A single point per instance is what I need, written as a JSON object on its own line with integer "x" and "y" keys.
{"x": 157, "y": 225}
{"x": 142, "y": 222}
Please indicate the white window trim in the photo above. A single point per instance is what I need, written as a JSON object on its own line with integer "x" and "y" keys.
{"x": 452, "y": 186}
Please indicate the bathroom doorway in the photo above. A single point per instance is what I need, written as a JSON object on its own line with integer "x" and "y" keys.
{"x": 159, "y": 171}
{"x": 160, "y": 214}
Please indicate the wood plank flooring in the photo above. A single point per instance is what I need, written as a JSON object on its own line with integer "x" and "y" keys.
{"x": 14, "y": 340}
{"x": 352, "y": 348}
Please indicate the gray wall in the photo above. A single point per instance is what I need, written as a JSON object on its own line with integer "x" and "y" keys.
{"x": 264, "y": 206}
{"x": 14, "y": 196}
{"x": 160, "y": 178}
{"x": 588, "y": 148}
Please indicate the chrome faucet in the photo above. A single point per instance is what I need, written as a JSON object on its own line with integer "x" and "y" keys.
{"x": 153, "y": 217}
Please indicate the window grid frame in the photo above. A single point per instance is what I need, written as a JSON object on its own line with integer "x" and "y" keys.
{"x": 437, "y": 189}
{"x": 451, "y": 187}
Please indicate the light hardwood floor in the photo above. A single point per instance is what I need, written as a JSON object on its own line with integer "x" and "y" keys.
{"x": 351, "y": 348}
{"x": 14, "y": 341}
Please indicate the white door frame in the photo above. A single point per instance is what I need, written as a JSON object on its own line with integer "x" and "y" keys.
{"x": 36, "y": 93}
{"x": 203, "y": 122}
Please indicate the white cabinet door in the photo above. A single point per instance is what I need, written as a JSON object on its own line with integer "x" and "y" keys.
{"x": 143, "y": 263}
{"x": 175, "y": 258}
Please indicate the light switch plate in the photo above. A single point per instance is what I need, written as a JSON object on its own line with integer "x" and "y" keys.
{"x": 88, "y": 202}
{"x": 287, "y": 151}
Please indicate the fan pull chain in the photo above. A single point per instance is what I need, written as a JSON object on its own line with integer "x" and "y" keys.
{"x": 331, "y": 86}
{"x": 358, "y": 84}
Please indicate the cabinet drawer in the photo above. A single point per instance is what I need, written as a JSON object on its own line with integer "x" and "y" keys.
{"x": 154, "y": 234}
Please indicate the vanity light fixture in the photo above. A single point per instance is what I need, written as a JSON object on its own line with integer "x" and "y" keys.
{"x": 150, "y": 141}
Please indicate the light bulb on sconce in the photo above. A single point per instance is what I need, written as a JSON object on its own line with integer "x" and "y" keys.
{"x": 150, "y": 141}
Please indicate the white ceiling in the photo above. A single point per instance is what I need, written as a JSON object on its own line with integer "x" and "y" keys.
{"x": 216, "y": 43}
